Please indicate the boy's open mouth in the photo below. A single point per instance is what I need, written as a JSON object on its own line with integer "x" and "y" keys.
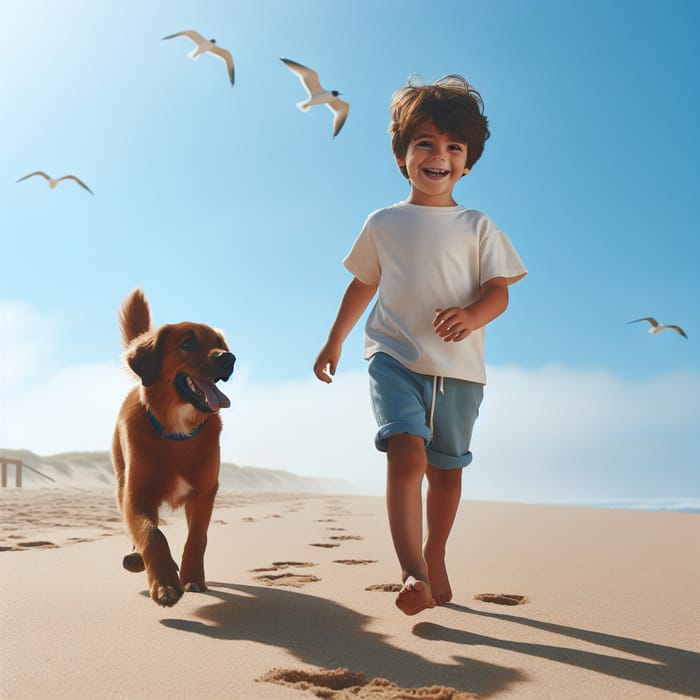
{"x": 435, "y": 172}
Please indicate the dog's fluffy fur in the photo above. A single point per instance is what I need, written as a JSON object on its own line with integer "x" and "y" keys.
{"x": 166, "y": 442}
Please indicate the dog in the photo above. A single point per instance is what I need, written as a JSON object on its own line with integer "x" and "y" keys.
{"x": 166, "y": 442}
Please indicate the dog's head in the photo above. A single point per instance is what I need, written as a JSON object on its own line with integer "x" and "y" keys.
{"x": 185, "y": 360}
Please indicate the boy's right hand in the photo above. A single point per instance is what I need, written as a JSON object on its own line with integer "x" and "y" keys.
{"x": 327, "y": 361}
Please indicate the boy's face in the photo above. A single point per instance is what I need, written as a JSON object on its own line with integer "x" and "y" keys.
{"x": 435, "y": 162}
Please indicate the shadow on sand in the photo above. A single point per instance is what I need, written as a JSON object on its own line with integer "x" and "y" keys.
{"x": 341, "y": 639}
{"x": 282, "y": 619}
{"x": 674, "y": 670}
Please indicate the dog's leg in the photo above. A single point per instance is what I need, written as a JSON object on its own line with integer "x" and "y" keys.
{"x": 161, "y": 570}
{"x": 198, "y": 510}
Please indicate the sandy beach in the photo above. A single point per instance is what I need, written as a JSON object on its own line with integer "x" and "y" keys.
{"x": 301, "y": 604}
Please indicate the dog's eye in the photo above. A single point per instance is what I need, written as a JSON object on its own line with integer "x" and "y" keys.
{"x": 188, "y": 344}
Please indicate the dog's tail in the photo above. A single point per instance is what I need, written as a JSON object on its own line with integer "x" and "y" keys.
{"x": 134, "y": 316}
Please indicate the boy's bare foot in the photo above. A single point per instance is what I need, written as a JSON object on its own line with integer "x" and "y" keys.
{"x": 439, "y": 581}
{"x": 414, "y": 596}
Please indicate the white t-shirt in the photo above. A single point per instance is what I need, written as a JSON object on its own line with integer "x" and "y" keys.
{"x": 425, "y": 258}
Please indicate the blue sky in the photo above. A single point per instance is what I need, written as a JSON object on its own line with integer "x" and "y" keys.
{"x": 229, "y": 206}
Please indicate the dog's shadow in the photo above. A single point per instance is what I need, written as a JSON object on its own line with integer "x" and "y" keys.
{"x": 339, "y": 638}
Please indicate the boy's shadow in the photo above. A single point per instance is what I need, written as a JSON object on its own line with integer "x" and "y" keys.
{"x": 322, "y": 633}
{"x": 667, "y": 668}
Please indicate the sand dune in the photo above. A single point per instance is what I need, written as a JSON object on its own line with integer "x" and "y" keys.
{"x": 94, "y": 470}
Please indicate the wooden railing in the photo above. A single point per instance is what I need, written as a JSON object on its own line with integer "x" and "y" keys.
{"x": 18, "y": 463}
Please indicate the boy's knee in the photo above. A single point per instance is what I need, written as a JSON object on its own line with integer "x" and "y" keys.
{"x": 444, "y": 478}
{"x": 407, "y": 451}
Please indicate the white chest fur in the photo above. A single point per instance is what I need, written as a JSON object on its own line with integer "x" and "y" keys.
{"x": 180, "y": 491}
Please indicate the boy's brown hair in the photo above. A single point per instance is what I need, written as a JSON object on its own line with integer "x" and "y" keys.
{"x": 451, "y": 103}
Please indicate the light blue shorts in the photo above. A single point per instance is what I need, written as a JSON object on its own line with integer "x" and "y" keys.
{"x": 441, "y": 410}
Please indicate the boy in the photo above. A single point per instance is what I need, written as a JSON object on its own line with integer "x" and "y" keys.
{"x": 442, "y": 273}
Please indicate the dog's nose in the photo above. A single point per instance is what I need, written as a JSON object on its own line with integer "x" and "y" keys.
{"x": 224, "y": 364}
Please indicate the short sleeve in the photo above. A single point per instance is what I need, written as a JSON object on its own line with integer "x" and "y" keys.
{"x": 363, "y": 261}
{"x": 498, "y": 257}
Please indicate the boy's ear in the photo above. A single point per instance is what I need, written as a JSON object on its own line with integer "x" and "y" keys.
{"x": 401, "y": 162}
{"x": 466, "y": 171}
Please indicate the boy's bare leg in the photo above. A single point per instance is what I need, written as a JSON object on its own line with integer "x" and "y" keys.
{"x": 444, "y": 493}
{"x": 406, "y": 465}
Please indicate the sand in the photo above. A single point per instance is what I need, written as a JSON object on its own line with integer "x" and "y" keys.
{"x": 576, "y": 603}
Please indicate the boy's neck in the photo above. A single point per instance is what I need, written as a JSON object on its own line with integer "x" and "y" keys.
{"x": 422, "y": 200}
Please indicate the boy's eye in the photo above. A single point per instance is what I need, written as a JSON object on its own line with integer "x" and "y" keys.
{"x": 423, "y": 144}
{"x": 455, "y": 147}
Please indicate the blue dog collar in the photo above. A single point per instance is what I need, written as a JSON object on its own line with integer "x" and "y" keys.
{"x": 172, "y": 436}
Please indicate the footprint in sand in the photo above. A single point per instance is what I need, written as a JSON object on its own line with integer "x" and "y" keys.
{"x": 385, "y": 587}
{"x": 39, "y": 544}
{"x": 326, "y": 520}
{"x": 327, "y": 545}
{"x": 290, "y": 580}
{"x": 248, "y": 519}
{"x": 501, "y": 598}
{"x": 336, "y": 529}
{"x": 346, "y": 537}
{"x": 277, "y": 565}
{"x": 354, "y": 561}
{"x": 342, "y": 684}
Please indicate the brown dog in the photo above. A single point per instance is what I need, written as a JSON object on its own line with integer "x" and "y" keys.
{"x": 166, "y": 442}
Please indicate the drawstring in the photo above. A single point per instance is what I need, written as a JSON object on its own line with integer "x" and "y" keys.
{"x": 432, "y": 403}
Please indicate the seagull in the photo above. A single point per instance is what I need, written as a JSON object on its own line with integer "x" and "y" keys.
{"x": 657, "y": 327}
{"x": 204, "y": 45}
{"x": 318, "y": 95}
{"x": 54, "y": 181}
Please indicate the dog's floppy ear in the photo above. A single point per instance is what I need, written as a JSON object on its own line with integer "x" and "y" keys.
{"x": 144, "y": 355}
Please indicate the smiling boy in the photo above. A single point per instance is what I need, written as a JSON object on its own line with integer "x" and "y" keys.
{"x": 442, "y": 273}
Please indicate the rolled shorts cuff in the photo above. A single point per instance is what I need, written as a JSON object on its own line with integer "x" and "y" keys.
{"x": 443, "y": 461}
{"x": 398, "y": 428}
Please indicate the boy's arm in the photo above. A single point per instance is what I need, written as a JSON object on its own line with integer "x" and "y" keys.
{"x": 355, "y": 300}
{"x": 456, "y": 323}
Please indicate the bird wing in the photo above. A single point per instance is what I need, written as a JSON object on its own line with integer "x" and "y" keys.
{"x": 679, "y": 330}
{"x": 225, "y": 56}
{"x": 190, "y": 34}
{"x": 340, "y": 109}
{"x": 78, "y": 180}
{"x": 309, "y": 78}
{"x": 37, "y": 172}
{"x": 649, "y": 319}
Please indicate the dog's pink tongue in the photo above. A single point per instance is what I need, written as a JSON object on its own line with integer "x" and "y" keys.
{"x": 215, "y": 398}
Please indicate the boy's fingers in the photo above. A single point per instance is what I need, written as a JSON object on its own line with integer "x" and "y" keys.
{"x": 321, "y": 374}
{"x": 324, "y": 371}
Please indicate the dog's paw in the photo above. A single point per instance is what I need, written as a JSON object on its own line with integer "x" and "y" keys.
{"x": 133, "y": 562}
{"x": 166, "y": 596}
{"x": 196, "y": 587}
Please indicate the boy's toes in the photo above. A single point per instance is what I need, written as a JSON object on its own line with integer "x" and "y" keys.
{"x": 414, "y": 596}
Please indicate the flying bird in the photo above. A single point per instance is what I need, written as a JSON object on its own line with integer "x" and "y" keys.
{"x": 318, "y": 95}
{"x": 54, "y": 181}
{"x": 657, "y": 327}
{"x": 204, "y": 45}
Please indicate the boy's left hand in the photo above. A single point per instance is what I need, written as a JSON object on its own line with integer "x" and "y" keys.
{"x": 452, "y": 324}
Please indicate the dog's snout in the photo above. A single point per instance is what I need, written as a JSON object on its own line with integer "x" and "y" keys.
{"x": 224, "y": 362}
